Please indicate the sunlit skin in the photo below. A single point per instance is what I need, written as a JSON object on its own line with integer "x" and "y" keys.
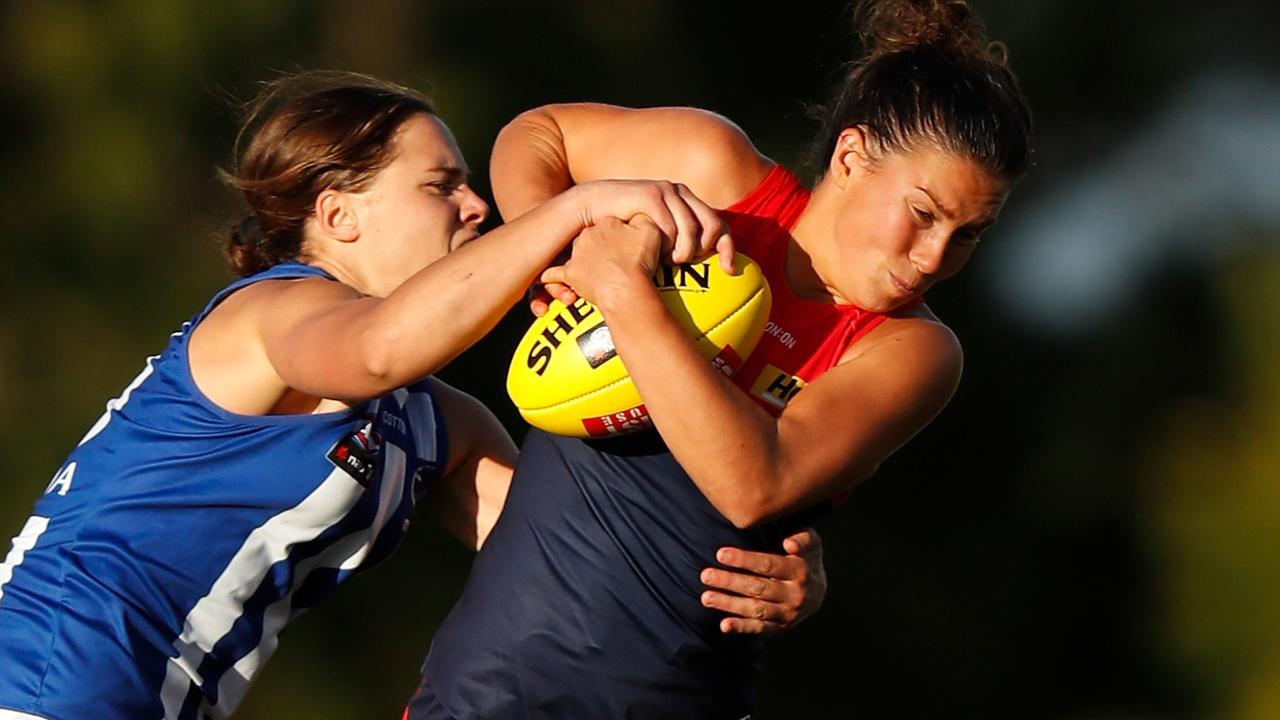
{"x": 420, "y": 207}
{"x": 883, "y": 227}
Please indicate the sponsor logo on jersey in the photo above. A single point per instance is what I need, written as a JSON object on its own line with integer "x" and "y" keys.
{"x": 626, "y": 421}
{"x": 727, "y": 360}
{"x": 596, "y": 345}
{"x": 776, "y": 332}
{"x": 356, "y": 454}
{"x": 776, "y": 386}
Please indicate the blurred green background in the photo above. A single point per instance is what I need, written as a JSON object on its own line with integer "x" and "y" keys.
{"x": 1091, "y": 530}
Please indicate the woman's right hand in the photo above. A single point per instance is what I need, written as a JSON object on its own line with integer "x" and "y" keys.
{"x": 611, "y": 259}
{"x": 690, "y": 229}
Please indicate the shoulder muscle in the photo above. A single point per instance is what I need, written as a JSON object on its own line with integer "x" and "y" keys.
{"x": 702, "y": 149}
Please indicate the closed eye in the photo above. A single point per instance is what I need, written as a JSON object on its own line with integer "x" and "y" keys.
{"x": 923, "y": 216}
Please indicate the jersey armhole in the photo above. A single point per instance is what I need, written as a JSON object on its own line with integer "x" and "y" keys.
{"x": 283, "y": 271}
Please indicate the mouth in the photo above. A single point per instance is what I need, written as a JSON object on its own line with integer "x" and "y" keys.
{"x": 903, "y": 287}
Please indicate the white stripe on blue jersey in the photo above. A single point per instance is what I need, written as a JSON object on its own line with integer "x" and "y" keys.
{"x": 25, "y": 540}
{"x": 114, "y": 404}
{"x": 215, "y": 613}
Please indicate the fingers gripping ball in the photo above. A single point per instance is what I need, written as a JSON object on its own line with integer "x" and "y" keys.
{"x": 567, "y": 379}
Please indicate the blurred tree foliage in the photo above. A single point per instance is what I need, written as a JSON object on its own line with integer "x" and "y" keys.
{"x": 1086, "y": 533}
{"x": 1214, "y": 509}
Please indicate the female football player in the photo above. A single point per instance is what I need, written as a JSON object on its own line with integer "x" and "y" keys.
{"x": 921, "y": 145}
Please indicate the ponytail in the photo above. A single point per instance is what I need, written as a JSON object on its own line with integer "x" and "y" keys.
{"x": 928, "y": 74}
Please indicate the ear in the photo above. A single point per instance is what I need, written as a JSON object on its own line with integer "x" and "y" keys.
{"x": 851, "y": 156}
{"x": 337, "y": 216}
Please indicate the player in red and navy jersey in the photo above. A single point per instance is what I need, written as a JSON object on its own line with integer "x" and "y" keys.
{"x": 922, "y": 144}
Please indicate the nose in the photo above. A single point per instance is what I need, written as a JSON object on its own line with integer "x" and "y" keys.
{"x": 928, "y": 252}
{"x": 473, "y": 209}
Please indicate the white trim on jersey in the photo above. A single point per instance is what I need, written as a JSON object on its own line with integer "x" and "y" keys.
{"x": 213, "y": 615}
{"x": 15, "y": 715}
{"x": 115, "y": 404}
{"x": 345, "y": 554}
{"x": 424, "y": 430}
{"x": 22, "y": 542}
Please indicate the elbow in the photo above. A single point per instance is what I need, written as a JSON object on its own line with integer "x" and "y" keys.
{"x": 744, "y": 519}
{"x": 750, "y": 489}
{"x": 379, "y": 375}
{"x": 747, "y": 508}
{"x": 379, "y": 363}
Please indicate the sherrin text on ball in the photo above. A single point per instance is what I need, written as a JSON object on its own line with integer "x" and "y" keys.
{"x": 566, "y": 377}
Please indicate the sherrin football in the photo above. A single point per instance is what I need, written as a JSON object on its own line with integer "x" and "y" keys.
{"x": 567, "y": 379}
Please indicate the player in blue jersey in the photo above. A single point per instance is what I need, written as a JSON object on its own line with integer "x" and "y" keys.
{"x": 277, "y": 445}
{"x": 921, "y": 146}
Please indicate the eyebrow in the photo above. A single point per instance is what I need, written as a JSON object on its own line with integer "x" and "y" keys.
{"x": 453, "y": 174}
{"x": 951, "y": 215}
{"x": 948, "y": 212}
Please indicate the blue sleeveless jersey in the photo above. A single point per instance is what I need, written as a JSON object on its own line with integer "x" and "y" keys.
{"x": 585, "y": 601}
{"x": 168, "y": 551}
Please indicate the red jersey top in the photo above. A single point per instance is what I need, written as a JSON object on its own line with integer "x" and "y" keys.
{"x": 803, "y": 338}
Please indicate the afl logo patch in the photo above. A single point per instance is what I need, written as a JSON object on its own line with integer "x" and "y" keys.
{"x": 355, "y": 454}
{"x": 596, "y": 345}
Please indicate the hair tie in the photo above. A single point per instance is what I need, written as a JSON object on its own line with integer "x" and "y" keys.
{"x": 250, "y": 231}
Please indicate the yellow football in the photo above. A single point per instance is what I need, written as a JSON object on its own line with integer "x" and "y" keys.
{"x": 566, "y": 378}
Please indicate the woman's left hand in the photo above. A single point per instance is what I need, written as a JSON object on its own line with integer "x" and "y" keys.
{"x": 773, "y": 592}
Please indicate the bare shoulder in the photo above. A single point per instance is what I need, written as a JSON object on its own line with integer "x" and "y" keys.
{"x": 706, "y": 151}
{"x": 268, "y": 295}
{"x": 889, "y": 385}
{"x": 914, "y": 339}
{"x": 242, "y": 310}
{"x": 718, "y": 150}
{"x": 281, "y": 303}
{"x": 228, "y": 352}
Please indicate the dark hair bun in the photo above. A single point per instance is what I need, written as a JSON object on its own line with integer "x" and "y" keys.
{"x": 890, "y": 26}
{"x": 245, "y": 250}
{"x": 927, "y": 74}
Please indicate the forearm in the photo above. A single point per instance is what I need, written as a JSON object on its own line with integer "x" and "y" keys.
{"x": 432, "y": 317}
{"x": 729, "y": 446}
